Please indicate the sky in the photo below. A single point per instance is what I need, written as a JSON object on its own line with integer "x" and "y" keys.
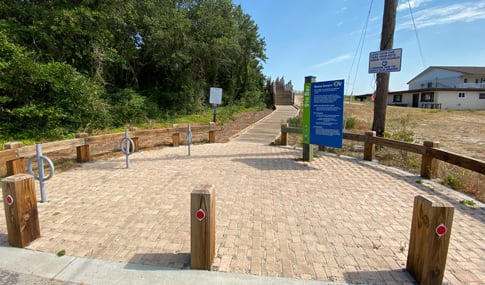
{"x": 327, "y": 38}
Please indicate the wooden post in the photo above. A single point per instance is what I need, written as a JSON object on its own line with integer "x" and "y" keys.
{"x": 429, "y": 165}
{"x": 82, "y": 151}
{"x": 284, "y": 135}
{"x": 212, "y": 132}
{"x": 135, "y": 139}
{"x": 203, "y": 227}
{"x": 429, "y": 241}
{"x": 369, "y": 148}
{"x": 175, "y": 136}
{"x": 18, "y": 165}
{"x": 20, "y": 209}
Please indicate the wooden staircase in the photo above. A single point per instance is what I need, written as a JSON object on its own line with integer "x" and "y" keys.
{"x": 282, "y": 93}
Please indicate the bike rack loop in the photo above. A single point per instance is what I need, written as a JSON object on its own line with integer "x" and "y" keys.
{"x": 40, "y": 164}
{"x": 127, "y": 147}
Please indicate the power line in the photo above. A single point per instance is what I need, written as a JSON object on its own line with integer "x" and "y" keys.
{"x": 360, "y": 47}
{"x": 417, "y": 37}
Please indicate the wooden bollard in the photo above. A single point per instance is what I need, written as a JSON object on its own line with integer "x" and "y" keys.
{"x": 369, "y": 147}
{"x": 212, "y": 132}
{"x": 429, "y": 241}
{"x": 284, "y": 135}
{"x": 20, "y": 209}
{"x": 202, "y": 227}
{"x": 17, "y": 165}
{"x": 175, "y": 136}
{"x": 429, "y": 165}
{"x": 82, "y": 151}
{"x": 135, "y": 139}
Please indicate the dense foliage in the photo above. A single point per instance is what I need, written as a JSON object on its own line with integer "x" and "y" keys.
{"x": 70, "y": 65}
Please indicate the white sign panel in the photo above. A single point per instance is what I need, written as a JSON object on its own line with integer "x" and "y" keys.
{"x": 215, "y": 95}
{"x": 385, "y": 61}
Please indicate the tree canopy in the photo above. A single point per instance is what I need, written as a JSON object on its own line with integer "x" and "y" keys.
{"x": 76, "y": 65}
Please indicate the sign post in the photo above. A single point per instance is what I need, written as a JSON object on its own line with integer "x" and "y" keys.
{"x": 215, "y": 99}
{"x": 322, "y": 121}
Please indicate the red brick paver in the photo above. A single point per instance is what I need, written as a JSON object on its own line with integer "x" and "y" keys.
{"x": 334, "y": 219}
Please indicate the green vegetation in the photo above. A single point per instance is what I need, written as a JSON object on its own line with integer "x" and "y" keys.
{"x": 469, "y": 203}
{"x": 70, "y": 66}
{"x": 452, "y": 182}
{"x": 351, "y": 123}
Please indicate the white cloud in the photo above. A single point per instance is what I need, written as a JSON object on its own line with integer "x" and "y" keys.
{"x": 334, "y": 60}
{"x": 414, "y": 4}
{"x": 432, "y": 16}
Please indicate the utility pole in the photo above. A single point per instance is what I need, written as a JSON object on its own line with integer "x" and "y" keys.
{"x": 382, "y": 81}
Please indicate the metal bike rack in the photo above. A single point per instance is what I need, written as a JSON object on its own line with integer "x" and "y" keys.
{"x": 40, "y": 164}
{"x": 127, "y": 147}
{"x": 189, "y": 137}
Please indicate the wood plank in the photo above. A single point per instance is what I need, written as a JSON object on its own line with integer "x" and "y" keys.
{"x": 105, "y": 139}
{"x": 415, "y": 148}
{"x": 9, "y": 154}
{"x": 354, "y": 137}
{"x": 458, "y": 159}
{"x": 28, "y": 151}
{"x": 291, "y": 130}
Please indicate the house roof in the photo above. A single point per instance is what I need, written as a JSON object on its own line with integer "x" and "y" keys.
{"x": 468, "y": 70}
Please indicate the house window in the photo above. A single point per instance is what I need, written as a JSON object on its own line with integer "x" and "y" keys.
{"x": 465, "y": 80}
{"x": 427, "y": 97}
{"x": 461, "y": 95}
{"x": 430, "y": 84}
{"x": 397, "y": 98}
{"x": 476, "y": 81}
{"x": 481, "y": 96}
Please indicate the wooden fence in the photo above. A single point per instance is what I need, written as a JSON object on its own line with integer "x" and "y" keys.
{"x": 429, "y": 151}
{"x": 14, "y": 155}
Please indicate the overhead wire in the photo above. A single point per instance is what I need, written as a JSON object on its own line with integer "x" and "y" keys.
{"x": 417, "y": 36}
{"x": 358, "y": 52}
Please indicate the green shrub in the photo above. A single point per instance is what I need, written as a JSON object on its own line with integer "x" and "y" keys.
{"x": 452, "y": 182}
{"x": 351, "y": 123}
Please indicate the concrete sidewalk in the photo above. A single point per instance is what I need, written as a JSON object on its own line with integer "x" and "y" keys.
{"x": 335, "y": 219}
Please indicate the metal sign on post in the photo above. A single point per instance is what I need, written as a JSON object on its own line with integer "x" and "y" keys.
{"x": 385, "y": 61}
{"x": 215, "y": 99}
{"x": 189, "y": 137}
{"x": 127, "y": 147}
{"x": 40, "y": 165}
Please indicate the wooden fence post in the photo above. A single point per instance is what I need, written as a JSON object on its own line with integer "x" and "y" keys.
{"x": 20, "y": 209}
{"x": 82, "y": 151}
{"x": 175, "y": 136}
{"x": 369, "y": 147}
{"x": 429, "y": 165}
{"x": 18, "y": 165}
{"x": 203, "y": 227}
{"x": 212, "y": 133}
{"x": 135, "y": 139}
{"x": 284, "y": 135}
{"x": 429, "y": 241}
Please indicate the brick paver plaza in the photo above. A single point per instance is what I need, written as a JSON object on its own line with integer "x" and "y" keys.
{"x": 336, "y": 218}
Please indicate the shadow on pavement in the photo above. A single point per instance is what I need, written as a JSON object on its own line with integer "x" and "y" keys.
{"x": 400, "y": 276}
{"x": 164, "y": 260}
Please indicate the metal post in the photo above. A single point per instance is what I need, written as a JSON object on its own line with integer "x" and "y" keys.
{"x": 189, "y": 137}
{"x": 127, "y": 147}
{"x": 40, "y": 164}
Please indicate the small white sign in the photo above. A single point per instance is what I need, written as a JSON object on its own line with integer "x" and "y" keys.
{"x": 215, "y": 96}
{"x": 385, "y": 61}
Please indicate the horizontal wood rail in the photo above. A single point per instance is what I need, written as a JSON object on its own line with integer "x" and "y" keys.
{"x": 429, "y": 151}
{"x": 14, "y": 153}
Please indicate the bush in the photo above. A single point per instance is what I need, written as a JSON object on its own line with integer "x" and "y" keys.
{"x": 351, "y": 123}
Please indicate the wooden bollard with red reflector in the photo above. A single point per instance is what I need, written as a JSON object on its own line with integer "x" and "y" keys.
{"x": 429, "y": 241}
{"x": 20, "y": 209}
{"x": 202, "y": 227}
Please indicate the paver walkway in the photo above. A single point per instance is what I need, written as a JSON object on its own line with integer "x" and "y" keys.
{"x": 335, "y": 218}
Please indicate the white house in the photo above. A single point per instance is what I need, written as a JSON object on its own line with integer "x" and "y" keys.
{"x": 444, "y": 87}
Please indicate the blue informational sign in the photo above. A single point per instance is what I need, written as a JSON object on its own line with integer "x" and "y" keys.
{"x": 327, "y": 113}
